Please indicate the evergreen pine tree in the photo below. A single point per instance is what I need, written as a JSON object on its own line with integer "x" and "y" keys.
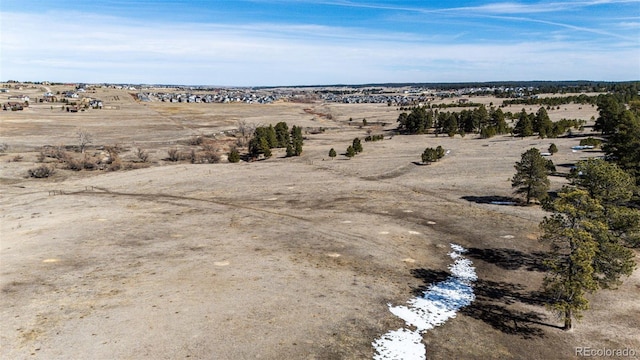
{"x": 357, "y": 145}
{"x": 234, "y": 156}
{"x": 531, "y": 175}
{"x": 350, "y": 152}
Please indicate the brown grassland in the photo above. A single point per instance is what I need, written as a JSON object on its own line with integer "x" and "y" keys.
{"x": 292, "y": 258}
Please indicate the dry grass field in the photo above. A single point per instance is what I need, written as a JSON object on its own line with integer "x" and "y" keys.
{"x": 286, "y": 258}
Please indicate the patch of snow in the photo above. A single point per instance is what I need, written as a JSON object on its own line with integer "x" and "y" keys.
{"x": 431, "y": 222}
{"x": 439, "y": 303}
{"x": 414, "y": 232}
{"x": 400, "y": 344}
{"x": 507, "y": 236}
{"x": 457, "y": 248}
{"x": 407, "y": 211}
{"x": 383, "y": 233}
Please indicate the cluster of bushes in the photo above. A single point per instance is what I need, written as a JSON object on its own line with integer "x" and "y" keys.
{"x": 42, "y": 171}
{"x": 430, "y": 155}
{"x": 208, "y": 153}
{"x": 269, "y": 137}
{"x": 591, "y": 142}
{"x": 369, "y": 138}
{"x": 110, "y": 161}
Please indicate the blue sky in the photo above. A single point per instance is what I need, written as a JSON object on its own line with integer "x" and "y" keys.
{"x": 308, "y": 42}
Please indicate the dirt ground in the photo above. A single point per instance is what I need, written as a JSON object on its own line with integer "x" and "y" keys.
{"x": 284, "y": 258}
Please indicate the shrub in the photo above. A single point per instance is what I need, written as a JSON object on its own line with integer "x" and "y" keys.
{"x": 234, "y": 156}
{"x": 57, "y": 152}
{"x": 41, "y": 172}
{"x": 89, "y": 163}
{"x": 142, "y": 155}
{"x": 174, "y": 154}
{"x": 115, "y": 165}
{"x": 553, "y": 149}
{"x": 73, "y": 164}
{"x": 208, "y": 157}
{"x": 429, "y": 155}
{"x": 195, "y": 140}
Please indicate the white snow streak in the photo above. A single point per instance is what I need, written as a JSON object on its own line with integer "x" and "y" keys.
{"x": 439, "y": 303}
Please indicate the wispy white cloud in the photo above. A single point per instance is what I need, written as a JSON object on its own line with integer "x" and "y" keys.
{"x": 507, "y": 11}
{"x": 629, "y": 25}
{"x": 490, "y": 8}
{"x": 95, "y": 48}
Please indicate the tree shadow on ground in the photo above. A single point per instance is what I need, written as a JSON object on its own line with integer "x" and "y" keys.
{"x": 510, "y": 259}
{"x": 494, "y": 199}
{"x": 566, "y": 165}
{"x": 492, "y": 304}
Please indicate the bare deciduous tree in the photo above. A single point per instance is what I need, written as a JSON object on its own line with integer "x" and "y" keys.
{"x": 84, "y": 138}
{"x": 245, "y": 130}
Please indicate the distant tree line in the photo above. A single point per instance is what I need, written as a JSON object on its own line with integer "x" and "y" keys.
{"x": 487, "y": 123}
{"x": 479, "y": 120}
{"x": 529, "y": 124}
{"x": 554, "y": 101}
